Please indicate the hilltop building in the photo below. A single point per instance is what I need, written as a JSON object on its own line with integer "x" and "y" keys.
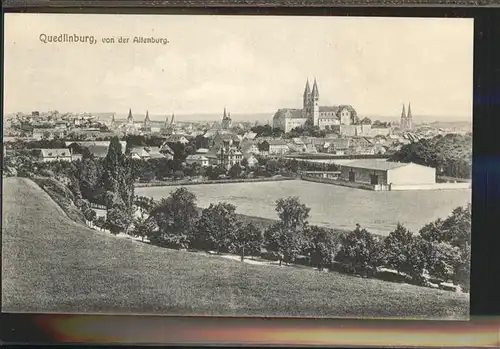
{"x": 406, "y": 119}
{"x": 322, "y": 116}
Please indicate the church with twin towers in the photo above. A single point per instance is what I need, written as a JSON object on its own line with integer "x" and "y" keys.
{"x": 314, "y": 113}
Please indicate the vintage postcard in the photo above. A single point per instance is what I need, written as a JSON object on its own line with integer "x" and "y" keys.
{"x": 279, "y": 166}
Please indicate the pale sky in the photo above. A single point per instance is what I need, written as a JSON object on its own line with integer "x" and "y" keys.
{"x": 251, "y": 64}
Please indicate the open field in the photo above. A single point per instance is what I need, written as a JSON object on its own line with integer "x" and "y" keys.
{"x": 331, "y": 206}
{"x": 52, "y": 264}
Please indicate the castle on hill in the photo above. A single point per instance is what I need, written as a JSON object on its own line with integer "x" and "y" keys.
{"x": 287, "y": 119}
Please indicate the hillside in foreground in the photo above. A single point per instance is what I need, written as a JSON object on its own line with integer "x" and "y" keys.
{"x": 52, "y": 264}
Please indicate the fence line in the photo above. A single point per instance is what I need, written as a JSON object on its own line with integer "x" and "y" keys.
{"x": 215, "y": 181}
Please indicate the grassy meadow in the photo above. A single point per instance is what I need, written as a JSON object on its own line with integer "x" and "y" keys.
{"x": 53, "y": 264}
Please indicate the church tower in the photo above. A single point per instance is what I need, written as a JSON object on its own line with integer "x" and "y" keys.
{"x": 147, "y": 121}
{"x": 315, "y": 104}
{"x": 307, "y": 100}
{"x": 172, "y": 121}
{"x": 226, "y": 120}
{"x": 130, "y": 118}
{"x": 409, "y": 118}
{"x": 403, "y": 118}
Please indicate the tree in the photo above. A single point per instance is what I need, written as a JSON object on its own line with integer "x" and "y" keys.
{"x": 90, "y": 177}
{"x": 405, "y": 252}
{"x": 287, "y": 237}
{"x": 366, "y": 121}
{"x": 215, "y": 226}
{"x": 359, "y": 250}
{"x": 100, "y": 222}
{"x": 176, "y": 219}
{"x": 321, "y": 246}
{"x": 245, "y": 240}
{"x": 244, "y": 162}
{"x": 442, "y": 260}
{"x": 118, "y": 220}
{"x": 292, "y": 213}
{"x": 455, "y": 229}
{"x": 287, "y": 244}
{"x": 142, "y": 227}
{"x": 118, "y": 173}
{"x": 235, "y": 171}
{"x": 90, "y": 215}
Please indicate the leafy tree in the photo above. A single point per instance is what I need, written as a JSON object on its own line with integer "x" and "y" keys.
{"x": 246, "y": 240}
{"x": 90, "y": 214}
{"x": 442, "y": 260}
{"x": 244, "y": 162}
{"x": 292, "y": 214}
{"x": 287, "y": 243}
{"x": 359, "y": 250}
{"x": 176, "y": 218}
{"x": 235, "y": 171}
{"x": 455, "y": 229}
{"x": 142, "y": 227}
{"x": 405, "y": 252}
{"x": 90, "y": 177}
{"x": 215, "y": 226}
{"x": 101, "y": 222}
{"x": 321, "y": 246}
{"x": 113, "y": 165}
{"x": 366, "y": 121}
{"x": 461, "y": 275}
{"x": 118, "y": 220}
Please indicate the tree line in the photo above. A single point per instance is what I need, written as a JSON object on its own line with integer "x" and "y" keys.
{"x": 441, "y": 248}
{"x": 450, "y": 154}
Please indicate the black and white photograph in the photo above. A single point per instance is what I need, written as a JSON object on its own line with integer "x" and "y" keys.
{"x": 231, "y": 165}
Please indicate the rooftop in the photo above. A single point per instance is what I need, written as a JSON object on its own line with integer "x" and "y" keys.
{"x": 376, "y": 164}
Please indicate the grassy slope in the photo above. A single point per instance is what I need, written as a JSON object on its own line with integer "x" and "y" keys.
{"x": 53, "y": 264}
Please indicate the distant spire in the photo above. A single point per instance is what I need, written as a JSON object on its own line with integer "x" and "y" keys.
{"x": 130, "y": 117}
{"x": 146, "y": 119}
{"x": 403, "y": 113}
{"x": 166, "y": 121}
{"x": 172, "y": 122}
{"x": 315, "y": 92}
{"x": 409, "y": 111}
{"x": 113, "y": 118}
{"x": 307, "y": 90}
{"x": 225, "y": 113}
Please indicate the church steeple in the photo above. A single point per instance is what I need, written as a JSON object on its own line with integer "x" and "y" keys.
{"x": 409, "y": 111}
{"x": 172, "y": 122}
{"x": 146, "y": 119}
{"x": 130, "y": 118}
{"x": 224, "y": 116}
{"x": 403, "y": 113}
{"x": 307, "y": 90}
{"x": 315, "y": 91}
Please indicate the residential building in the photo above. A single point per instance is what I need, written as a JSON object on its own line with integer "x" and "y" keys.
{"x": 381, "y": 172}
{"x": 197, "y": 159}
{"x": 51, "y": 155}
{"x": 139, "y": 153}
{"x": 338, "y": 146}
{"x": 249, "y": 147}
{"x": 229, "y": 156}
{"x": 176, "y": 138}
